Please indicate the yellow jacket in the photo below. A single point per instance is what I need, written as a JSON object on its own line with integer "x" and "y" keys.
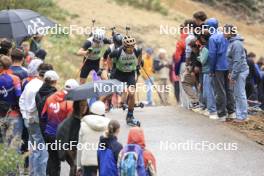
{"x": 148, "y": 67}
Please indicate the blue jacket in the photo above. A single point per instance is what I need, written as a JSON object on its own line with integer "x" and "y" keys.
{"x": 236, "y": 57}
{"x": 217, "y": 47}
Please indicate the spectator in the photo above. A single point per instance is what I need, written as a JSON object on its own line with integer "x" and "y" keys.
{"x": 41, "y": 54}
{"x": 219, "y": 71}
{"x": 136, "y": 139}
{"x": 48, "y": 88}
{"x": 253, "y": 78}
{"x": 32, "y": 71}
{"x": 28, "y": 54}
{"x": 199, "y": 17}
{"x": 179, "y": 58}
{"x": 184, "y": 74}
{"x": 55, "y": 110}
{"x": 35, "y": 44}
{"x": 238, "y": 71}
{"x": 38, "y": 158}
{"x": 147, "y": 74}
{"x": 92, "y": 127}
{"x": 10, "y": 91}
{"x": 190, "y": 77}
{"x": 162, "y": 67}
{"x": 68, "y": 133}
{"x": 17, "y": 57}
{"x": 208, "y": 91}
{"x": 109, "y": 149}
{"x": 5, "y": 47}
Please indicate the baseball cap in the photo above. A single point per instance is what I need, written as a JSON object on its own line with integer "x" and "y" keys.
{"x": 70, "y": 84}
{"x": 52, "y": 75}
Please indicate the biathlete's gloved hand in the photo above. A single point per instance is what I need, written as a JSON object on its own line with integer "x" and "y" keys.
{"x": 100, "y": 71}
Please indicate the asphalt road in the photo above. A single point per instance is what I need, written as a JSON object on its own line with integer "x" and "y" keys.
{"x": 189, "y": 144}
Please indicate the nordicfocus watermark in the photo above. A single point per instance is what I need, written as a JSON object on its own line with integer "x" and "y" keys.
{"x": 139, "y": 87}
{"x": 190, "y": 145}
{"x": 58, "y": 145}
{"x": 177, "y": 30}
{"x": 58, "y": 29}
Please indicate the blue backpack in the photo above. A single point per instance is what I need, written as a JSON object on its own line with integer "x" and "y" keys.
{"x": 132, "y": 161}
{"x": 107, "y": 163}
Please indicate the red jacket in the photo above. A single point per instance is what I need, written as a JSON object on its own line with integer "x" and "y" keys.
{"x": 56, "y": 109}
{"x": 136, "y": 136}
{"x": 180, "y": 47}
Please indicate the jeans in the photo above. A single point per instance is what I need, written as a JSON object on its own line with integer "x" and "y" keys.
{"x": 16, "y": 127}
{"x": 240, "y": 96}
{"x": 39, "y": 156}
{"x": 208, "y": 93}
{"x": 13, "y": 131}
{"x": 223, "y": 94}
{"x": 149, "y": 90}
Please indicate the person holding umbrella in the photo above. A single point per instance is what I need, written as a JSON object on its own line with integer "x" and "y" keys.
{"x": 55, "y": 110}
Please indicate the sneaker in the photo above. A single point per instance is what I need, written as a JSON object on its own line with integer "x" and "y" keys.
{"x": 240, "y": 120}
{"x": 206, "y": 113}
{"x": 198, "y": 110}
{"x": 231, "y": 116}
{"x": 213, "y": 116}
{"x": 222, "y": 119}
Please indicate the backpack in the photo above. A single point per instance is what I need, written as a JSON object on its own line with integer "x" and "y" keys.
{"x": 132, "y": 161}
{"x": 107, "y": 163}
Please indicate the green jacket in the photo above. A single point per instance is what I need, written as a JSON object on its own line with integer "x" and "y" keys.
{"x": 203, "y": 58}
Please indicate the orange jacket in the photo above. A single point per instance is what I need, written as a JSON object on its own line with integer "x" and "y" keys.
{"x": 180, "y": 47}
{"x": 136, "y": 136}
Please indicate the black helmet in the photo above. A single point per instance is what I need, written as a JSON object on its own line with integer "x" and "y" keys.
{"x": 117, "y": 39}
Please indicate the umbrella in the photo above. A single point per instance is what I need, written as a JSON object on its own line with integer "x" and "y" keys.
{"x": 18, "y": 24}
{"x": 95, "y": 89}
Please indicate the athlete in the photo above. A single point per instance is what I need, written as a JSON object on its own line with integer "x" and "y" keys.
{"x": 92, "y": 51}
{"x": 127, "y": 59}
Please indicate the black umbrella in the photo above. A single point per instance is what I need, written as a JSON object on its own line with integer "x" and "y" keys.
{"x": 18, "y": 24}
{"x": 95, "y": 89}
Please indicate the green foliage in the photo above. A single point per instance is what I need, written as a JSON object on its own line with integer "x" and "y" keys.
{"x": 152, "y": 5}
{"x": 10, "y": 161}
{"x": 44, "y": 7}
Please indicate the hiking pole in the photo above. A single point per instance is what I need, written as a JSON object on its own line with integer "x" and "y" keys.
{"x": 152, "y": 83}
{"x": 127, "y": 29}
{"x": 113, "y": 30}
{"x": 93, "y": 24}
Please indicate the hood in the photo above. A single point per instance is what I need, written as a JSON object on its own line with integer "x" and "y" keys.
{"x": 46, "y": 90}
{"x": 237, "y": 37}
{"x": 212, "y": 22}
{"x": 136, "y": 136}
{"x": 60, "y": 96}
{"x": 96, "y": 122}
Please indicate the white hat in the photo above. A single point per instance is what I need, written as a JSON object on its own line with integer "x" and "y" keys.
{"x": 52, "y": 75}
{"x": 70, "y": 84}
{"x": 162, "y": 51}
{"x": 33, "y": 67}
{"x": 98, "y": 108}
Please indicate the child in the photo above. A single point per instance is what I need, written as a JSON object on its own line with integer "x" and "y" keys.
{"x": 109, "y": 149}
{"x": 135, "y": 152}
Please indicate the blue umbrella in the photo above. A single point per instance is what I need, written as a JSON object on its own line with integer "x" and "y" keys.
{"x": 18, "y": 24}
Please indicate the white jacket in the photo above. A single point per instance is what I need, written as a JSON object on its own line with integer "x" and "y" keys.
{"x": 92, "y": 127}
{"x": 27, "y": 102}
